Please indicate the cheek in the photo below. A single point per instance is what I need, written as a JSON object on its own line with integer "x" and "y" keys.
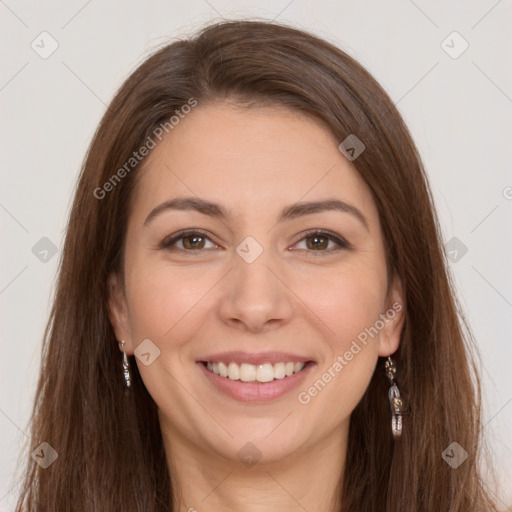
{"x": 348, "y": 301}
{"x": 166, "y": 306}
{"x": 160, "y": 297}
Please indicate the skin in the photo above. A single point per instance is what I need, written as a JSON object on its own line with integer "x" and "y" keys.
{"x": 294, "y": 297}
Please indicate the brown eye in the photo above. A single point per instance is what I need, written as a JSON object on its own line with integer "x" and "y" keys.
{"x": 318, "y": 241}
{"x": 193, "y": 242}
{"x": 189, "y": 241}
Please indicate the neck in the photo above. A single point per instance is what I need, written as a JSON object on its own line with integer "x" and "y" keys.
{"x": 307, "y": 479}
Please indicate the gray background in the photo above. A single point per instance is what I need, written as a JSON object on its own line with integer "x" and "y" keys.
{"x": 458, "y": 108}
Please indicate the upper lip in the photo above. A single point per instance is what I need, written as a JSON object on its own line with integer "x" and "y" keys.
{"x": 240, "y": 357}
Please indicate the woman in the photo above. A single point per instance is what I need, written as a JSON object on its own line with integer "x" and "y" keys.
{"x": 254, "y": 310}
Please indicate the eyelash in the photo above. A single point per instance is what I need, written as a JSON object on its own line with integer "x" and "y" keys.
{"x": 168, "y": 243}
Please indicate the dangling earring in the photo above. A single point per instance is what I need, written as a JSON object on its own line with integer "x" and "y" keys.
{"x": 126, "y": 367}
{"x": 395, "y": 401}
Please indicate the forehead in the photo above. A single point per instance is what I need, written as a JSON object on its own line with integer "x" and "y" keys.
{"x": 249, "y": 160}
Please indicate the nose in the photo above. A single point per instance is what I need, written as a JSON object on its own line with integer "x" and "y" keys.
{"x": 255, "y": 296}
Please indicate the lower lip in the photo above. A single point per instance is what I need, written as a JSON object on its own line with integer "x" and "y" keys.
{"x": 256, "y": 392}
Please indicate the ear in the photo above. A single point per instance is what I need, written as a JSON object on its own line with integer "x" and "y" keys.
{"x": 393, "y": 318}
{"x": 118, "y": 313}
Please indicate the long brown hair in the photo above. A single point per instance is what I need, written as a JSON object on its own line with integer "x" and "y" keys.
{"x": 109, "y": 444}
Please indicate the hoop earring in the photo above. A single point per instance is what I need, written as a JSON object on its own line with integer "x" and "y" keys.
{"x": 395, "y": 401}
{"x": 126, "y": 367}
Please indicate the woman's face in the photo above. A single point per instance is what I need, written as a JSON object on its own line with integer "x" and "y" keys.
{"x": 253, "y": 288}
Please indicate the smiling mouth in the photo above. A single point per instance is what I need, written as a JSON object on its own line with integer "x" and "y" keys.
{"x": 260, "y": 373}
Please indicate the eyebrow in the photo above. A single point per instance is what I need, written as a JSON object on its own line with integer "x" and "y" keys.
{"x": 290, "y": 212}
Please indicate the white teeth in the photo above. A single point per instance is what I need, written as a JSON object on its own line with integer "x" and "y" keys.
{"x": 298, "y": 367}
{"x": 279, "y": 371}
{"x": 255, "y": 373}
{"x": 223, "y": 370}
{"x": 264, "y": 372}
{"x": 247, "y": 372}
{"x": 233, "y": 371}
